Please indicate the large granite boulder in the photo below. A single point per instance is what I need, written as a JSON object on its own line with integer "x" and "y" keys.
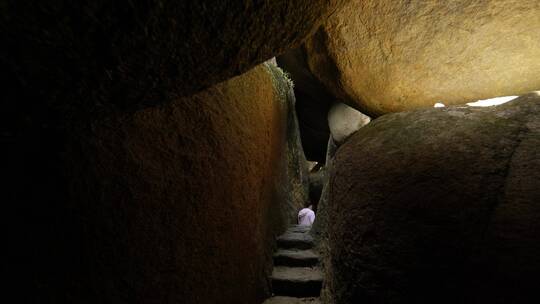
{"x": 390, "y": 56}
{"x": 178, "y": 203}
{"x": 96, "y": 54}
{"x": 439, "y": 206}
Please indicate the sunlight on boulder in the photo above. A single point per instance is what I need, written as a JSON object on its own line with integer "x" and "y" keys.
{"x": 491, "y": 101}
{"x": 439, "y": 105}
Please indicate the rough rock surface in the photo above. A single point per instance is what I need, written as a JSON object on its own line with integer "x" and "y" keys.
{"x": 320, "y": 226}
{"x": 344, "y": 121}
{"x": 391, "y": 56}
{"x": 134, "y": 53}
{"x": 439, "y": 206}
{"x": 178, "y": 203}
{"x": 296, "y": 188}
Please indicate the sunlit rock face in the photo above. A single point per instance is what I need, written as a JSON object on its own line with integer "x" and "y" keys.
{"x": 344, "y": 120}
{"x": 389, "y": 56}
{"x": 438, "y": 206}
{"x": 178, "y": 203}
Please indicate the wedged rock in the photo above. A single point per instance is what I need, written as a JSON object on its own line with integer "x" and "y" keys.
{"x": 295, "y": 258}
{"x": 439, "y": 206}
{"x": 134, "y": 54}
{"x": 297, "y": 281}
{"x": 176, "y": 203}
{"x": 390, "y": 56}
{"x": 344, "y": 120}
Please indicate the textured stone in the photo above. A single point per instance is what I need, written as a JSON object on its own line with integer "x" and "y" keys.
{"x": 178, "y": 203}
{"x": 390, "y": 56}
{"x": 344, "y": 121}
{"x": 295, "y": 189}
{"x": 320, "y": 226}
{"x": 439, "y": 206}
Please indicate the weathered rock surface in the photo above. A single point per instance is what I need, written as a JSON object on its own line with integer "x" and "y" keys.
{"x": 344, "y": 120}
{"x": 320, "y": 226}
{"x": 295, "y": 189}
{"x": 390, "y": 56}
{"x": 178, "y": 203}
{"x": 439, "y": 206}
{"x": 130, "y": 54}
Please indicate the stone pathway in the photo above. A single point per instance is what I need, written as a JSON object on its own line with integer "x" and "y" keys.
{"x": 296, "y": 279}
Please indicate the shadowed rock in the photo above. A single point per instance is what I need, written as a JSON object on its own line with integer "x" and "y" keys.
{"x": 297, "y": 281}
{"x": 131, "y": 54}
{"x": 295, "y": 258}
{"x": 313, "y": 103}
{"x": 439, "y": 206}
{"x": 295, "y": 240}
{"x": 174, "y": 203}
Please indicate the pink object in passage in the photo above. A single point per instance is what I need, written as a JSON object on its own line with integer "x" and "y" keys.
{"x": 306, "y": 217}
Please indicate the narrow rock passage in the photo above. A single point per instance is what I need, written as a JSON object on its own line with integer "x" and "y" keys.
{"x": 296, "y": 277}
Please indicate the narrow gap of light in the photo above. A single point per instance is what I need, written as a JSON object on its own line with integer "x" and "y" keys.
{"x": 491, "y": 101}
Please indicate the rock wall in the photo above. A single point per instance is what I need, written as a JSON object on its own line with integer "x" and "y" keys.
{"x": 295, "y": 188}
{"x": 176, "y": 203}
{"x": 390, "y": 56}
{"x": 439, "y": 206}
{"x": 319, "y": 229}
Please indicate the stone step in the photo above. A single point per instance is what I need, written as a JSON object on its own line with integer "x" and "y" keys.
{"x": 299, "y": 228}
{"x": 297, "y": 281}
{"x": 295, "y": 258}
{"x": 296, "y": 240}
{"x": 291, "y": 300}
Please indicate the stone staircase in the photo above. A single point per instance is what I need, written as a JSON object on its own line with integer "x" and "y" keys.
{"x": 296, "y": 278}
